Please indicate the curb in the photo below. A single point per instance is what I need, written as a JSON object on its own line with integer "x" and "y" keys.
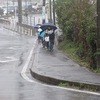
{"x": 54, "y": 81}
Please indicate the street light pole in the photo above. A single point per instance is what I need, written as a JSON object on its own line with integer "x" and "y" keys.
{"x": 98, "y": 33}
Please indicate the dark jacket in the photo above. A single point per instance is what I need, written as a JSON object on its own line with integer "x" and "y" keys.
{"x": 52, "y": 37}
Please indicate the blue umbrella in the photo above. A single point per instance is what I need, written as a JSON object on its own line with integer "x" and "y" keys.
{"x": 47, "y": 25}
{"x": 37, "y": 26}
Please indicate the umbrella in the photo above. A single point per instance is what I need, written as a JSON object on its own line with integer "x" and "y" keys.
{"x": 37, "y": 26}
{"x": 46, "y": 25}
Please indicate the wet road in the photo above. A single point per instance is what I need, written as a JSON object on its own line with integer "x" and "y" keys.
{"x": 14, "y": 51}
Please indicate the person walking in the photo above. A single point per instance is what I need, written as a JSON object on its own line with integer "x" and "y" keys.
{"x": 51, "y": 38}
{"x": 39, "y": 36}
{"x": 42, "y": 34}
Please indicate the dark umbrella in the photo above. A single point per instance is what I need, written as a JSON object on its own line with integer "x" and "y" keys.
{"x": 46, "y": 25}
{"x": 37, "y": 26}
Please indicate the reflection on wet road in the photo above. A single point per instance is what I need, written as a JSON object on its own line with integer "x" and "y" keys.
{"x": 14, "y": 50}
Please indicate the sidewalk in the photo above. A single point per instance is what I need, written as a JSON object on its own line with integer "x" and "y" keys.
{"x": 54, "y": 68}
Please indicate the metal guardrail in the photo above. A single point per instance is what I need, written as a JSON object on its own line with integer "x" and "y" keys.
{"x": 4, "y": 21}
{"x": 18, "y": 27}
{"x": 26, "y": 29}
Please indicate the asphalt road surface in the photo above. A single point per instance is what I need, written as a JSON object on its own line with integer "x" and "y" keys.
{"x": 16, "y": 82}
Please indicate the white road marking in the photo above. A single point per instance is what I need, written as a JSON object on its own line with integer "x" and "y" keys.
{"x": 27, "y": 63}
{"x": 8, "y": 59}
{"x": 70, "y": 89}
{"x": 26, "y": 77}
{"x": 13, "y": 48}
{"x": 80, "y": 91}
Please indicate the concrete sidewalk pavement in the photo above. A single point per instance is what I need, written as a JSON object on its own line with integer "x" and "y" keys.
{"x": 55, "y": 68}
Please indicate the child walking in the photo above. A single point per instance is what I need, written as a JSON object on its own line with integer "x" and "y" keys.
{"x": 47, "y": 40}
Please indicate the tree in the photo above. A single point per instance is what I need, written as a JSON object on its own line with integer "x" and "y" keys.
{"x": 98, "y": 33}
{"x": 77, "y": 20}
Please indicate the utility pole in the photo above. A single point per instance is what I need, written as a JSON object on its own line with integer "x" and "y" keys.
{"x": 54, "y": 12}
{"x": 7, "y": 7}
{"x": 98, "y": 33}
{"x": 43, "y": 12}
{"x": 20, "y": 11}
{"x": 13, "y": 2}
{"x": 50, "y": 20}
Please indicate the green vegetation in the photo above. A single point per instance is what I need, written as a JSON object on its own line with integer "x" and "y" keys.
{"x": 65, "y": 84}
{"x": 70, "y": 49}
{"x": 80, "y": 86}
{"x": 77, "y": 19}
{"x": 97, "y": 70}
